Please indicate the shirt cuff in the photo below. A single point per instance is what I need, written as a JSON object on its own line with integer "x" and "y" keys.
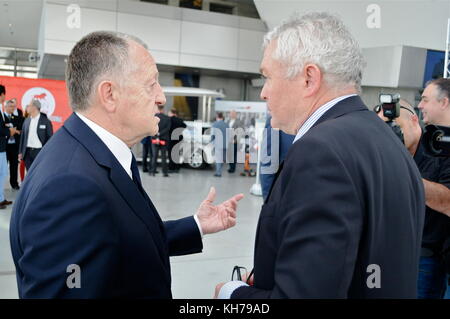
{"x": 227, "y": 290}
{"x": 199, "y": 226}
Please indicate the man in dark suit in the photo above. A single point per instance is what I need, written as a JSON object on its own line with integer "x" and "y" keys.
{"x": 235, "y": 133}
{"x": 5, "y": 134}
{"x": 176, "y": 124}
{"x": 12, "y": 144}
{"x": 344, "y": 217}
{"x": 36, "y": 131}
{"x": 160, "y": 142}
{"x": 83, "y": 226}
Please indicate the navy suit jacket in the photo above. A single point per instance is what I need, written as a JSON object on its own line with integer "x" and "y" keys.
{"x": 346, "y": 210}
{"x": 79, "y": 206}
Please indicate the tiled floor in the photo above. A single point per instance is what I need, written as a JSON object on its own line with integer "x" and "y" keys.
{"x": 193, "y": 276}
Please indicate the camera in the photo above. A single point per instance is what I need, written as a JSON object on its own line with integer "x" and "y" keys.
{"x": 391, "y": 110}
{"x": 437, "y": 140}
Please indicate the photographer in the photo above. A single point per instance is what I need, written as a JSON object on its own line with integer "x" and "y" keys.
{"x": 435, "y": 171}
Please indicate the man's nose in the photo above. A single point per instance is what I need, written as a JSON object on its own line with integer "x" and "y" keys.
{"x": 160, "y": 97}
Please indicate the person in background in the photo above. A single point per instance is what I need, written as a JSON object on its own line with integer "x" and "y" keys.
{"x": 219, "y": 140}
{"x": 236, "y": 132}
{"x": 147, "y": 151}
{"x": 176, "y": 123}
{"x": 5, "y": 134}
{"x": 36, "y": 131}
{"x": 12, "y": 146}
{"x": 160, "y": 142}
{"x": 272, "y": 154}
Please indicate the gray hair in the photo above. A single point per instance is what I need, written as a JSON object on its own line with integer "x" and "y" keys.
{"x": 36, "y": 103}
{"x": 98, "y": 55}
{"x": 321, "y": 39}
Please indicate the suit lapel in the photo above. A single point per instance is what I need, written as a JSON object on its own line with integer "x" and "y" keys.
{"x": 142, "y": 207}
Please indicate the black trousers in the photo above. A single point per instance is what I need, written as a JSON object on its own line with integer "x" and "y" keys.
{"x": 147, "y": 151}
{"x": 12, "y": 155}
{"x": 30, "y": 156}
{"x": 173, "y": 166}
{"x": 234, "y": 160}
{"x": 156, "y": 150}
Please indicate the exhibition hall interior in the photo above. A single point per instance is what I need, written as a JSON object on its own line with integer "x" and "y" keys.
{"x": 148, "y": 148}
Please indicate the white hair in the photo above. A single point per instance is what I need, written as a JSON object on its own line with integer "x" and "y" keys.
{"x": 321, "y": 39}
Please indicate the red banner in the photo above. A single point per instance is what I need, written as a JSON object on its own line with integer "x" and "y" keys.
{"x": 51, "y": 93}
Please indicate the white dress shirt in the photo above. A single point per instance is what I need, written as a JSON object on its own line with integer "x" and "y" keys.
{"x": 119, "y": 149}
{"x": 33, "y": 139}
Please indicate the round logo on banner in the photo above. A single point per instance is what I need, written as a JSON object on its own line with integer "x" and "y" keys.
{"x": 43, "y": 95}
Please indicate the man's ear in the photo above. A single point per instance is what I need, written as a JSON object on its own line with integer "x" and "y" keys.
{"x": 445, "y": 103}
{"x": 108, "y": 95}
{"x": 313, "y": 79}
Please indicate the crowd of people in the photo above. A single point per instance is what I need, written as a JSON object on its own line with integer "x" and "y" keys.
{"x": 23, "y": 134}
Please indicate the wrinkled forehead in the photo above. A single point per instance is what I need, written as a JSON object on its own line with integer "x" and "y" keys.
{"x": 142, "y": 61}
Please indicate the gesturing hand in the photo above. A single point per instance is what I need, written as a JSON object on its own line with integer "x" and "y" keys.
{"x": 217, "y": 218}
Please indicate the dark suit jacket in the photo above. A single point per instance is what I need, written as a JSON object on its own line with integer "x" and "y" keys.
{"x": 347, "y": 196}
{"x": 17, "y": 122}
{"x": 79, "y": 206}
{"x": 164, "y": 126}
{"x": 5, "y": 134}
{"x": 44, "y": 132}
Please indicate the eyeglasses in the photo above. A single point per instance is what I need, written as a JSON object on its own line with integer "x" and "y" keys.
{"x": 239, "y": 272}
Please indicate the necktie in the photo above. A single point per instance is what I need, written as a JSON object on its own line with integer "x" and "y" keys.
{"x": 135, "y": 173}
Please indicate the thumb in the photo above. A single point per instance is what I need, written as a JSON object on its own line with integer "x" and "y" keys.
{"x": 211, "y": 195}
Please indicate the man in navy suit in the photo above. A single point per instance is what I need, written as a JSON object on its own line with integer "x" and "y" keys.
{"x": 345, "y": 214}
{"x": 82, "y": 225}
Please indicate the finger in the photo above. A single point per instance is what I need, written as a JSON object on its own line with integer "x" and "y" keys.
{"x": 232, "y": 213}
{"x": 238, "y": 197}
{"x": 211, "y": 195}
{"x": 231, "y": 222}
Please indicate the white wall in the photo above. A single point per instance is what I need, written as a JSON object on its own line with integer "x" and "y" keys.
{"x": 418, "y": 23}
{"x": 175, "y": 36}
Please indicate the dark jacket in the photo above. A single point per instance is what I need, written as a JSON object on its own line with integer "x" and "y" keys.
{"x": 164, "y": 127}
{"x": 346, "y": 208}
{"x": 79, "y": 206}
{"x": 176, "y": 123}
{"x": 5, "y": 134}
{"x": 17, "y": 122}
{"x": 44, "y": 132}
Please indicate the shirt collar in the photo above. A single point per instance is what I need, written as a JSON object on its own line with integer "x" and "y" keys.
{"x": 317, "y": 115}
{"x": 119, "y": 149}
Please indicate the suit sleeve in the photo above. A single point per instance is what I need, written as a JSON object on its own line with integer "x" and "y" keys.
{"x": 4, "y": 131}
{"x": 49, "y": 130}
{"x": 320, "y": 219}
{"x": 183, "y": 236}
{"x": 23, "y": 133}
{"x": 67, "y": 222}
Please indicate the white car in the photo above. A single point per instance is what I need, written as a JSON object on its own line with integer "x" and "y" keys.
{"x": 196, "y": 149}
